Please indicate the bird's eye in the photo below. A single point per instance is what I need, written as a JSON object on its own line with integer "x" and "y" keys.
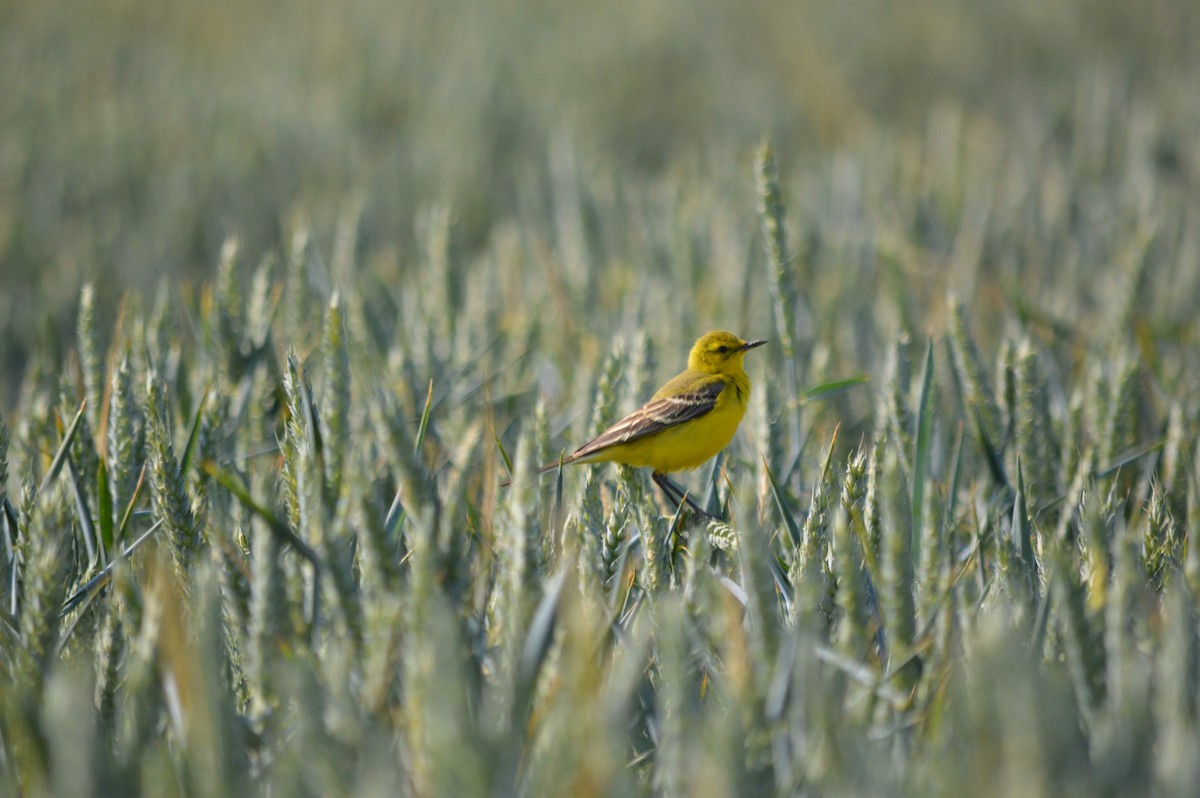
{"x": 722, "y": 349}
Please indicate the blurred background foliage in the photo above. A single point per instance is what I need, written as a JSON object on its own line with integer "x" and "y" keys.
{"x": 135, "y": 137}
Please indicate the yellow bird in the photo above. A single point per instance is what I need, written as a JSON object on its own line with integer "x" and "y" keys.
{"x": 686, "y": 422}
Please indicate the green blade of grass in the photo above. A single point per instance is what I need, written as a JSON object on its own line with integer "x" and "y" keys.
{"x": 101, "y": 580}
{"x": 779, "y": 574}
{"x": 828, "y": 389}
{"x": 424, "y": 426}
{"x": 14, "y": 557}
{"x": 1041, "y": 624}
{"x": 921, "y": 435}
{"x": 539, "y": 638}
{"x": 789, "y": 519}
{"x": 277, "y": 525}
{"x": 104, "y": 509}
{"x": 995, "y": 460}
{"x": 1022, "y": 534}
{"x": 508, "y": 466}
{"x": 558, "y": 515}
{"x": 395, "y": 513}
{"x": 1127, "y": 457}
{"x": 10, "y": 528}
{"x": 60, "y": 456}
{"x": 712, "y": 496}
{"x": 86, "y": 526}
{"x": 189, "y": 451}
{"x": 128, "y": 514}
{"x": 955, "y": 476}
{"x": 676, "y": 518}
{"x": 864, "y": 675}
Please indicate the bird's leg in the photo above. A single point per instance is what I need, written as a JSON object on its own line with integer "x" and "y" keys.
{"x": 671, "y": 490}
{"x": 677, "y": 496}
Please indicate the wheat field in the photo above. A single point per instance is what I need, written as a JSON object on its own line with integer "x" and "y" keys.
{"x": 287, "y": 293}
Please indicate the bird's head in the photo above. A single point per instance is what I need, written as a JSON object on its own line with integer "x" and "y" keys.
{"x": 719, "y": 352}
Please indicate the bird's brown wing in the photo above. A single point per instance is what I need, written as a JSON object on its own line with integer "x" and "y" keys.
{"x": 655, "y": 416}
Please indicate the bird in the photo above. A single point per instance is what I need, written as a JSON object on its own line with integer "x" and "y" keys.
{"x": 685, "y": 423}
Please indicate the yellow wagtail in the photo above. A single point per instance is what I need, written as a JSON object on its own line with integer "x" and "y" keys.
{"x": 686, "y": 422}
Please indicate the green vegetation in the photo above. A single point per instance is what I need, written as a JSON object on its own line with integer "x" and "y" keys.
{"x": 284, "y": 299}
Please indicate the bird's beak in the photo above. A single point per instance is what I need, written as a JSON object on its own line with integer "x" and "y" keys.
{"x": 752, "y": 344}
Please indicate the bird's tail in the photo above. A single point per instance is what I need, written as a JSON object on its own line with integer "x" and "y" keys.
{"x": 551, "y": 466}
{"x": 543, "y": 469}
